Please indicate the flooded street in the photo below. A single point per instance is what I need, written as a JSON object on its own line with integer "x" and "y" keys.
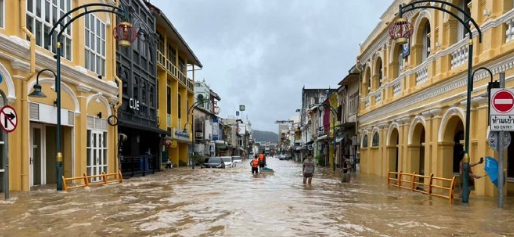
{"x": 232, "y": 202}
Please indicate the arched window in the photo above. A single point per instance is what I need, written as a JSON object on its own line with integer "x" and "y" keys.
{"x": 461, "y": 30}
{"x": 426, "y": 42}
{"x": 365, "y": 141}
{"x": 375, "y": 141}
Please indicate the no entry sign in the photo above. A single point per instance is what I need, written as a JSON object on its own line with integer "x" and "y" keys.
{"x": 502, "y": 109}
{"x": 8, "y": 118}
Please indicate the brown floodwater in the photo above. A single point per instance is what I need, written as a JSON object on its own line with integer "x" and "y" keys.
{"x": 232, "y": 202}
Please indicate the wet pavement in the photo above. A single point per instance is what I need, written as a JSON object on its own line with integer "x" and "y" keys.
{"x": 232, "y": 202}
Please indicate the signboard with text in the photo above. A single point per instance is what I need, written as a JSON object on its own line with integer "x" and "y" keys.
{"x": 502, "y": 109}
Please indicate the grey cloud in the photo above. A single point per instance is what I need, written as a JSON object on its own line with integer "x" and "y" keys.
{"x": 262, "y": 52}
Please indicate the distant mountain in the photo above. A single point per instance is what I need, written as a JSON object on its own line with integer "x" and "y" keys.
{"x": 264, "y": 136}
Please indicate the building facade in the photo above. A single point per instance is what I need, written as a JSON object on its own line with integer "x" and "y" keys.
{"x": 348, "y": 104}
{"x": 175, "y": 90}
{"x": 413, "y": 98}
{"x": 205, "y": 113}
{"x": 137, "y": 69}
{"x": 89, "y": 92}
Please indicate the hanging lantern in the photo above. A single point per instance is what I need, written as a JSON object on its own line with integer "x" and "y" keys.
{"x": 401, "y": 30}
{"x": 125, "y": 34}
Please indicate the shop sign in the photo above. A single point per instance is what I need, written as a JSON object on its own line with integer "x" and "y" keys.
{"x": 134, "y": 104}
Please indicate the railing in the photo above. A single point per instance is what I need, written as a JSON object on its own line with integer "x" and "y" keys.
{"x": 422, "y": 75}
{"x": 459, "y": 56}
{"x": 397, "y": 87}
{"x": 366, "y": 103}
{"x": 378, "y": 96}
{"x": 118, "y": 178}
{"x": 413, "y": 182}
{"x": 143, "y": 164}
{"x": 172, "y": 69}
{"x": 190, "y": 84}
{"x": 510, "y": 30}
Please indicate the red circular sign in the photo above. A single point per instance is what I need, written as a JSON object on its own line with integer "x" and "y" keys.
{"x": 503, "y": 101}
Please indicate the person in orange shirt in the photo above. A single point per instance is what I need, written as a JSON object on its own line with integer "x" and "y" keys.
{"x": 262, "y": 160}
{"x": 255, "y": 165}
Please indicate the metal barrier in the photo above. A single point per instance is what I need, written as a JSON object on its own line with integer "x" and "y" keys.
{"x": 413, "y": 181}
{"x": 118, "y": 178}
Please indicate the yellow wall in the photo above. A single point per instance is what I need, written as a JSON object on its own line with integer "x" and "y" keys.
{"x": 431, "y": 93}
{"x": 18, "y": 68}
{"x": 169, "y": 72}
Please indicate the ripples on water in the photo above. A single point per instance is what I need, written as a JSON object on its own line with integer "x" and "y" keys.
{"x": 232, "y": 202}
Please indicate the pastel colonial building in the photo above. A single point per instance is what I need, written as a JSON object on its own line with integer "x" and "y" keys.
{"x": 89, "y": 91}
{"x": 413, "y": 99}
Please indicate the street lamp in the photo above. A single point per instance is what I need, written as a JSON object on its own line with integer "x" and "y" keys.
{"x": 490, "y": 85}
{"x": 401, "y": 30}
{"x": 124, "y": 33}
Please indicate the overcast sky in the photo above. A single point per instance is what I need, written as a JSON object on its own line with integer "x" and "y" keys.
{"x": 260, "y": 53}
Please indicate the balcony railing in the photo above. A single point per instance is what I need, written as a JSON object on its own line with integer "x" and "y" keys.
{"x": 190, "y": 84}
{"x": 397, "y": 87}
{"x": 378, "y": 97}
{"x": 460, "y": 55}
{"x": 172, "y": 69}
{"x": 510, "y": 30}
{"x": 422, "y": 75}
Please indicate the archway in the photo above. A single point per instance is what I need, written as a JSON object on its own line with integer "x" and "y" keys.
{"x": 417, "y": 149}
{"x": 453, "y": 140}
{"x": 393, "y": 154}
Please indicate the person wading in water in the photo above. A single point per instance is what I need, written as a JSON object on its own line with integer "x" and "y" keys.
{"x": 308, "y": 169}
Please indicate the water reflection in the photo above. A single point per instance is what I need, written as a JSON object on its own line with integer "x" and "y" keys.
{"x": 233, "y": 202}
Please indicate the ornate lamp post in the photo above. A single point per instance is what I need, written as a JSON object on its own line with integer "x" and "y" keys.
{"x": 401, "y": 30}
{"x": 124, "y": 33}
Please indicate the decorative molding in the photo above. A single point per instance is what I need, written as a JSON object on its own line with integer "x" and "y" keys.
{"x": 83, "y": 88}
{"x": 11, "y": 92}
{"x": 99, "y": 98}
{"x": 19, "y": 48}
{"x": 390, "y": 130}
{"x": 435, "y": 112}
{"x": 114, "y": 99}
{"x": 451, "y": 112}
{"x": 20, "y": 65}
{"x": 19, "y": 77}
{"x": 64, "y": 87}
{"x": 417, "y": 120}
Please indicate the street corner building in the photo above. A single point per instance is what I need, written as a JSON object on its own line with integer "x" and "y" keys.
{"x": 89, "y": 92}
{"x": 412, "y": 110}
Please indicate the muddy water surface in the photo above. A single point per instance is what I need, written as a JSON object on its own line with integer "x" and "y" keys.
{"x": 232, "y": 202}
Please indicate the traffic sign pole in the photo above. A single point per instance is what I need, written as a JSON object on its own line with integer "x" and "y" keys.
{"x": 500, "y": 153}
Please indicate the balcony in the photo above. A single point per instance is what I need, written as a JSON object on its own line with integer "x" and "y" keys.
{"x": 190, "y": 84}
{"x": 172, "y": 69}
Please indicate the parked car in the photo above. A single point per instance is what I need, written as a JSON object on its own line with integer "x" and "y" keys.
{"x": 213, "y": 162}
{"x": 282, "y": 157}
{"x": 236, "y": 159}
{"x": 288, "y": 156}
{"x": 228, "y": 161}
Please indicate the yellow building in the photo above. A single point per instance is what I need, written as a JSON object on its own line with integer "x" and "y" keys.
{"x": 412, "y": 109}
{"x": 89, "y": 91}
{"x": 175, "y": 88}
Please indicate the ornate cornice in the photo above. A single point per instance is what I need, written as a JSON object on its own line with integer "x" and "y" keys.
{"x": 83, "y": 88}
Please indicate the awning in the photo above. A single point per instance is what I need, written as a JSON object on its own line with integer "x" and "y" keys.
{"x": 340, "y": 138}
{"x": 324, "y": 137}
{"x": 131, "y": 125}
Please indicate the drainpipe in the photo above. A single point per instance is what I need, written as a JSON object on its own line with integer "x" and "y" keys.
{"x": 24, "y": 94}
